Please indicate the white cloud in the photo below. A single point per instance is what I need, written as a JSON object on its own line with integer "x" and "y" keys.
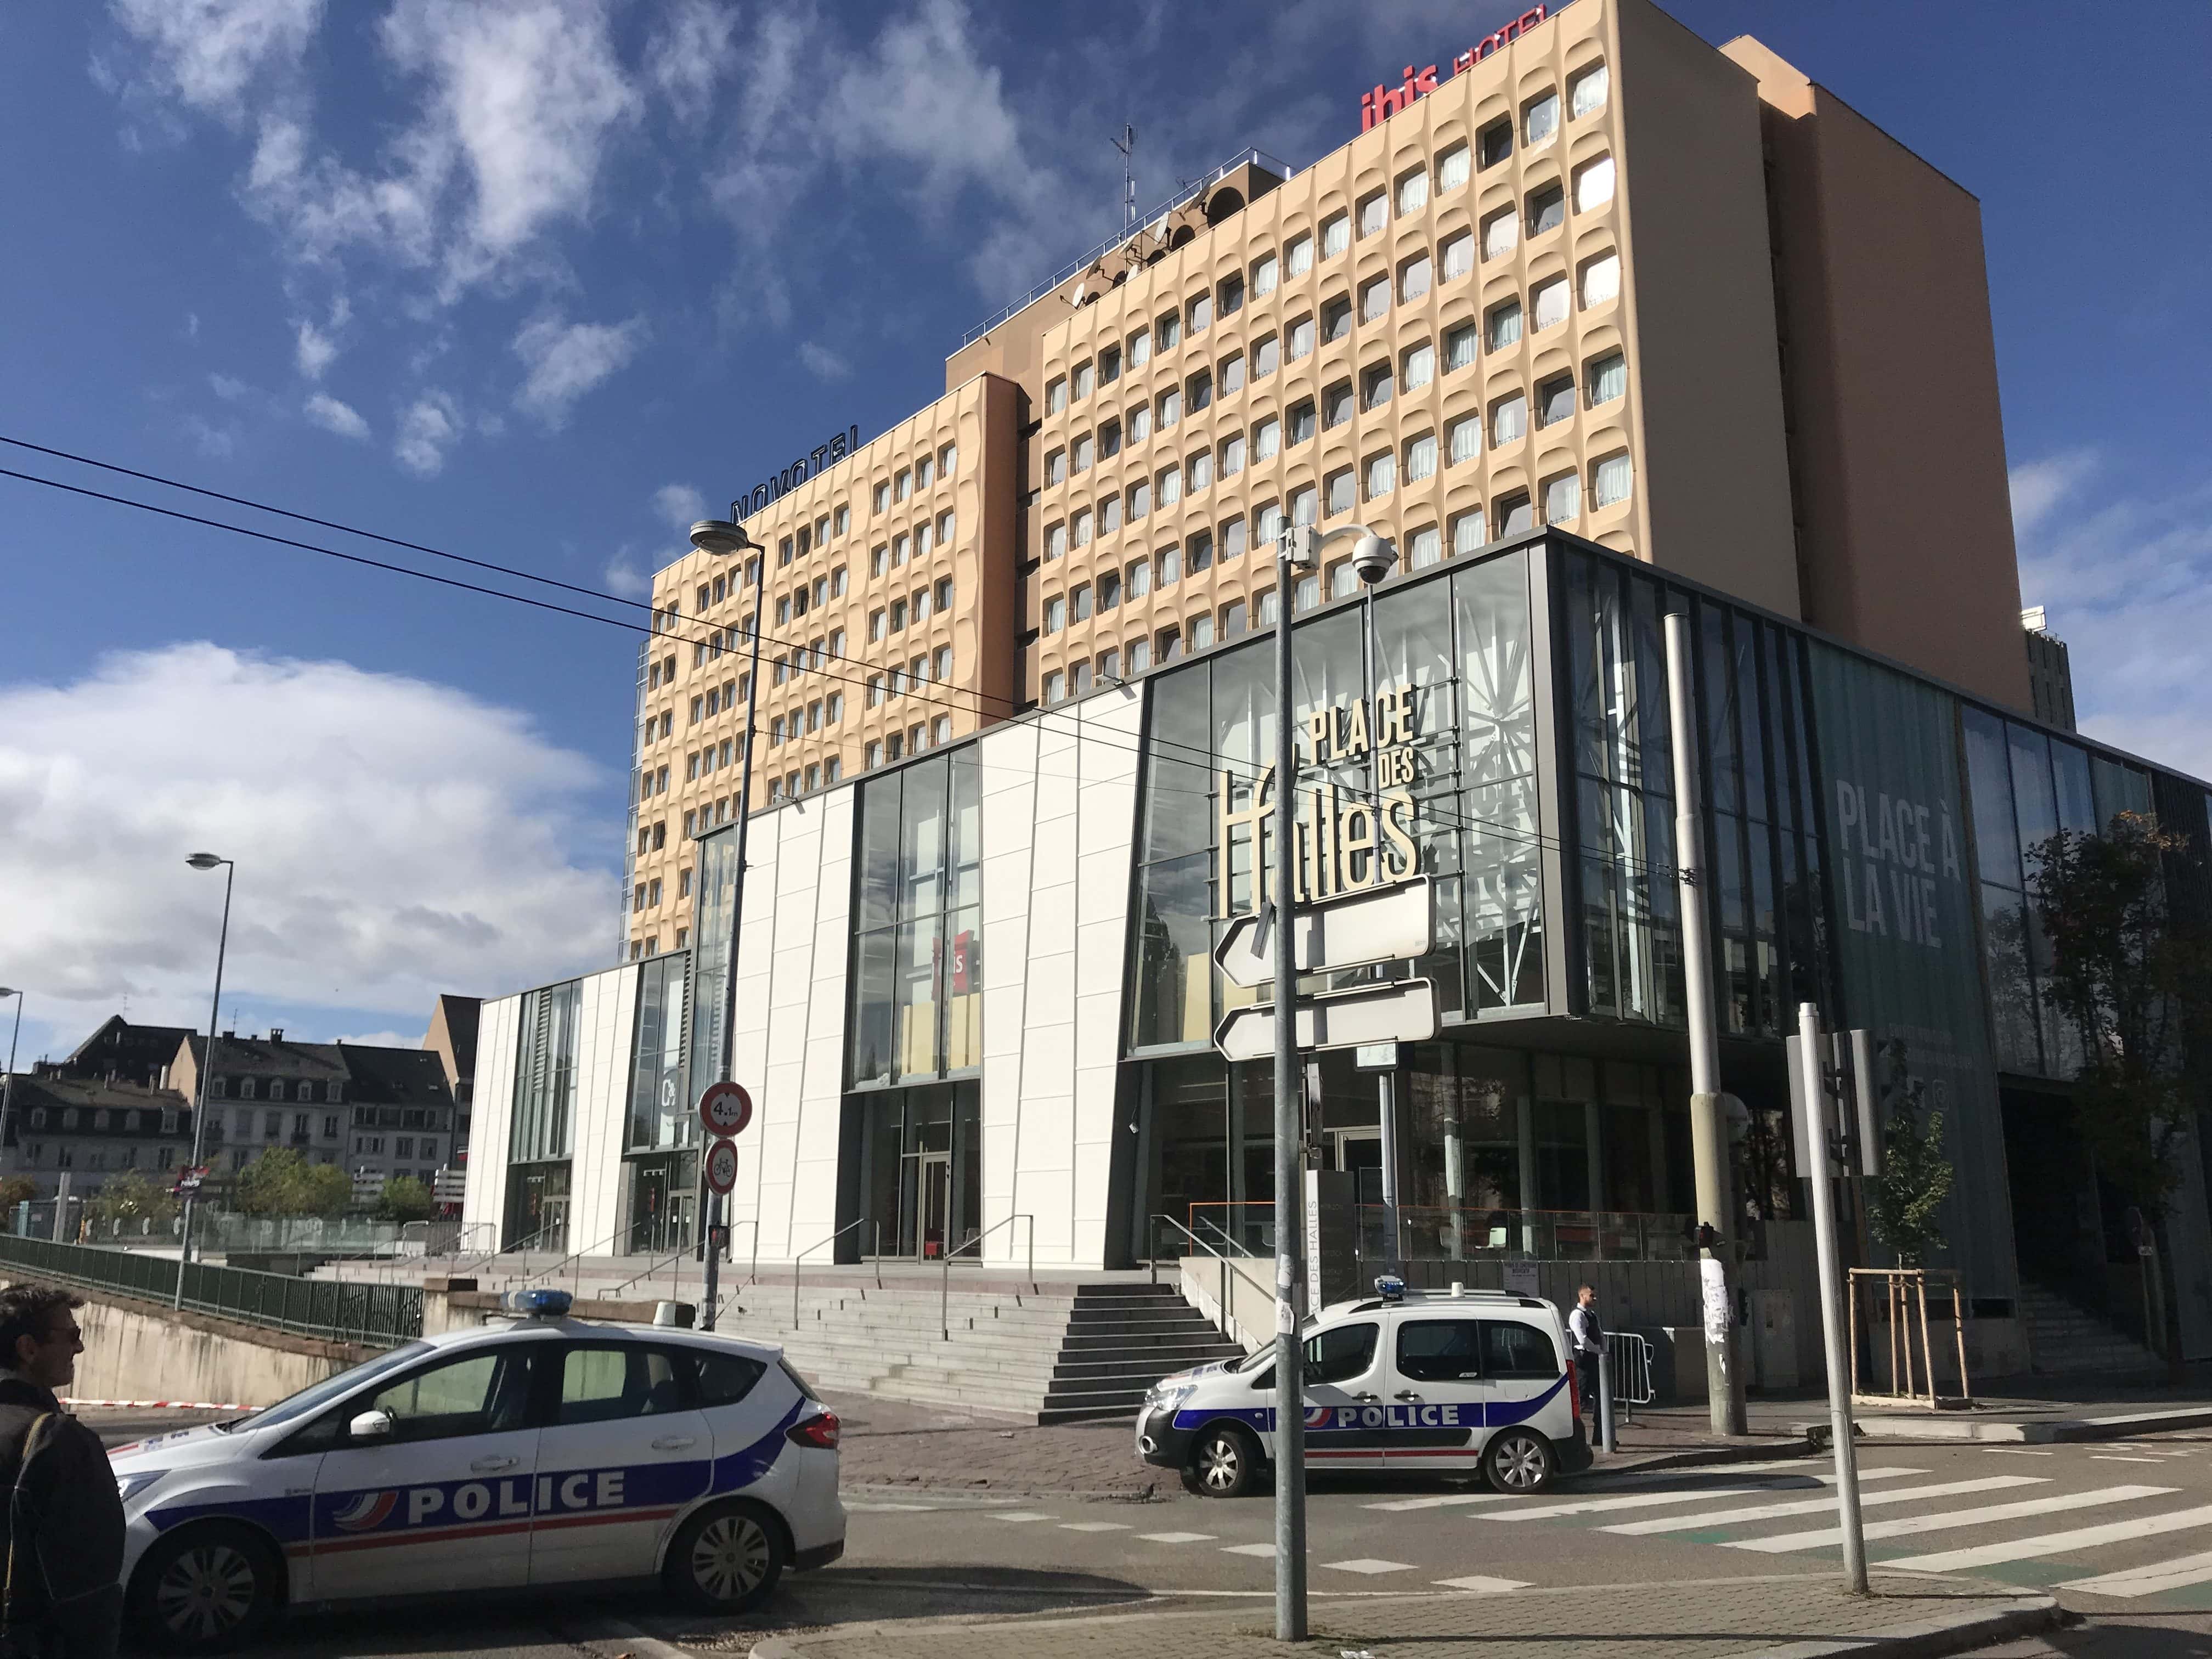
{"x": 216, "y": 442}
{"x": 924, "y": 96}
{"x": 428, "y": 426}
{"x": 381, "y": 1039}
{"x": 228, "y": 387}
{"x": 821, "y": 362}
{"x": 395, "y": 838}
{"x": 688, "y": 55}
{"x": 208, "y": 53}
{"x": 314, "y": 350}
{"x": 2126, "y": 575}
{"x": 626, "y": 577}
{"x": 679, "y": 506}
{"x": 328, "y": 413}
{"x": 566, "y": 360}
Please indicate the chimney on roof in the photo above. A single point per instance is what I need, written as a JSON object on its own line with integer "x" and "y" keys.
{"x": 230, "y": 1036}
{"x": 276, "y": 1034}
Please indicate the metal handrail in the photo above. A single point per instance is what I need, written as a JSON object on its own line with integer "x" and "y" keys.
{"x": 945, "y": 1290}
{"x": 1153, "y": 1262}
{"x": 862, "y": 1222}
{"x": 495, "y": 1252}
{"x": 752, "y": 1274}
{"x": 676, "y": 1256}
{"x": 576, "y": 1256}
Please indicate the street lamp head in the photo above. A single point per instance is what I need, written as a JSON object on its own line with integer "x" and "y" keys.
{"x": 206, "y": 861}
{"x": 1372, "y": 558}
{"x": 7, "y": 991}
{"x": 721, "y": 536}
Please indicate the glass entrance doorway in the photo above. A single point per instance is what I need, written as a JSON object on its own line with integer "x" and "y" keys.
{"x": 920, "y": 1178}
{"x": 663, "y": 1202}
{"x": 1359, "y": 1152}
{"x": 936, "y": 1203}
{"x": 537, "y": 1207}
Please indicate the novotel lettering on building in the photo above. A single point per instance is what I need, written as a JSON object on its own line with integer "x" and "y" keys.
{"x": 801, "y": 469}
{"x": 1384, "y": 102}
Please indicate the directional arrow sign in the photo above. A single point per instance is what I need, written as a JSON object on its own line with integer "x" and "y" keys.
{"x": 1389, "y": 924}
{"x": 1399, "y": 1011}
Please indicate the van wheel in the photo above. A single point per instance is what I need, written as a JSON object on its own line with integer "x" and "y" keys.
{"x": 726, "y": 1560}
{"x": 1224, "y": 1462}
{"x": 1519, "y": 1461}
{"x": 206, "y": 1589}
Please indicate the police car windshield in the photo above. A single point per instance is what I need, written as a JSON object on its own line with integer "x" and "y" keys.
{"x": 316, "y": 1395}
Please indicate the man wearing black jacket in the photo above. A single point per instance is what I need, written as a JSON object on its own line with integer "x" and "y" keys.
{"x": 61, "y": 1530}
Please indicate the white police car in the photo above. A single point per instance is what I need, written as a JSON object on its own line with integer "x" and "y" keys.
{"x": 539, "y": 1451}
{"x": 1476, "y": 1383}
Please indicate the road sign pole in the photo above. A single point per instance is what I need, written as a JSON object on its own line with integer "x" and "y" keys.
{"x": 1813, "y": 1126}
{"x": 713, "y": 1260}
{"x": 1289, "y": 1132}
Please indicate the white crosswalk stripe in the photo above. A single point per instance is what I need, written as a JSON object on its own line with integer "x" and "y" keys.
{"x": 1785, "y": 1542}
{"x": 2177, "y": 1574}
{"x": 1485, "y": 1586}
{"x": 1652, "y": 1499}
{"x": 2058, "y": 1543}
{"x": 1824, "y": 1504}
{"x": 1021, "y": 1515}
{"x": 1248, "y": 1549}
{"x": 1177, "y": 1537}
{"x": 1402, "y": 1506}
{"x": 1094, "y": 1525}
{"x": 1369, "y": 1565}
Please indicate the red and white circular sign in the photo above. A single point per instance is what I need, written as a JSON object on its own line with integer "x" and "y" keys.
{"x": 725, "y": 1108}
{"x": 722, "y": 1165}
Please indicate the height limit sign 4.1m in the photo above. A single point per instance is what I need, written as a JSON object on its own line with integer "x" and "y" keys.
{"x": 725, "y": 1108}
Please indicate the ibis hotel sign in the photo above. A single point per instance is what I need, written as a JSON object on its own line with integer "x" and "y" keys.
{"x": 1384, "y": 102}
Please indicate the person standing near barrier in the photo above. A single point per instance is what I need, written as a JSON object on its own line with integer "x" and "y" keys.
{"x": 61, "y": 1531}
{"x": 1587, "y": 1333}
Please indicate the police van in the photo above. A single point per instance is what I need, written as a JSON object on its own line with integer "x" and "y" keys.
{"x": 538, "y": 1451}
{"x": 1472, "y": 1381}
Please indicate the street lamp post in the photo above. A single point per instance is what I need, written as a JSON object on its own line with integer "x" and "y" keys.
{"x": 204, "y": 861}
{"x": 728, "y": 539}
{"x": 7, "y": 1082}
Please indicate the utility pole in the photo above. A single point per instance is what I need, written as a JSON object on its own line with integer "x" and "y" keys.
{"x": 1126, "y": 143}
{"x": 1820, "y": 1158}
{"x": 1709, "y": 1146}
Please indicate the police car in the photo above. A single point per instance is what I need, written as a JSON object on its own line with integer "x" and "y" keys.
{"x": 1477, "y": 1382}
{"x": 535, "y": 1451}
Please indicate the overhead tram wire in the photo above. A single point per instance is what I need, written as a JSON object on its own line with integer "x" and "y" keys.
{"x": 1251, "y": 770}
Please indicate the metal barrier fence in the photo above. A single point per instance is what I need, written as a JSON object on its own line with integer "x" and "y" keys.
{"x": 380, "y": 1316}
{"x": 1628, "y": 1357}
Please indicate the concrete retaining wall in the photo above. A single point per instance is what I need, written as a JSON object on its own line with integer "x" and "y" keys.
{"x": 137, "y": 1350}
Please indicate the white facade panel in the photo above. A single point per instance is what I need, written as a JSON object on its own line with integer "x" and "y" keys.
{"x": 484, "y": 1194}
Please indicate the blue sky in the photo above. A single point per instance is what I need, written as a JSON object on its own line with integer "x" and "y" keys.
{"x": 532, "y": 281}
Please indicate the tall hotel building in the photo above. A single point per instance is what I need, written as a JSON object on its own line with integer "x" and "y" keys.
{"x": 1596, "y": 323}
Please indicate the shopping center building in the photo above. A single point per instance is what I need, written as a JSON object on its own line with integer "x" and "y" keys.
{"x": 1606, "y": 324}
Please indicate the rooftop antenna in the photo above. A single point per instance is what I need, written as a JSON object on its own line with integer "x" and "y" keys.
{"x": 1126, "y": 143}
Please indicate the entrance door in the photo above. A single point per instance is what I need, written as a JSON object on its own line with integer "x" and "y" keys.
{"x": 553, "y": 1223}
{"x": 935, "y": 1202}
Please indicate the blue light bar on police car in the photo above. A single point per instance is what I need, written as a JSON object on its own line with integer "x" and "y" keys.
{"x": 537, "y": 1304}
{"x": 1390, "y": 1288}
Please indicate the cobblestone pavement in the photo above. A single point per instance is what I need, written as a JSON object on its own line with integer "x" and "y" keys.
{"x": 890, "y": 1442}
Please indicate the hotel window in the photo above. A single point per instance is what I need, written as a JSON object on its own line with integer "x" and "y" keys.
{"x": 1305, "y": 506}
{"x": 1267, "y": 524}
{"x": 1414, "y": 277}
{"x": 1377, "y": 386}
{"x": 1055, "y": 614}
{"x": 1335, "y": 235}
{"x": 1606, "y": 379}
{"x": 898, "y": 615}
{"x": 948, "y": 460}
{"x": 1336, "y": 405}
{"x": 1297, "y": 258}
{"x": 1167, "y": 642}
{"x": 924, "y": 468}
{"x": 920, "y": 611}
{"x": 1343, "y": 579}
{"x": 1339, "y": 487}
{"x": 944, "y": 593}
{"x": 1138, "y": 579}
{"x": 1467, "y": 532}
{"x": 1422, "y": 548}
{"x": 1198, "y": 552}
{"x": 1301, "y": 422}
{"x": 1110, "y": 514}
{"x": 1264, "y": 273}
{"x": 872, "y": 756}
{"x": 783, "y": 610}
{"x": 1169, "y": 407}
{"x": 1267, "y": 436}
{"x": 837, "y": 583}
{"x": 1169, "y": 564}
{"x": 1421, "y": 457}
{"x": 1140, "y": 500}
{"x": 835, "y": 709}
{"x": 1140, "y": 655}
{"x": 1460, "y": 346}
{"x": 1374, "y": 213}
{"x": 1083, "y": 528}
{"x": 842, "y": 520}
{"x": 1540, "y": 120}
{"x": 1229, "y": 295}
{"x": 814, "y": 716}
{"x": 1381, "y": 474}
{"x": 875, "y": 690}
{"x": 876, "y": 619}
{"x": 1232, "y": 455}
{"x": 1451, "y": 169}
{"x": 1508, "y": 420}
{"x": 1501, "y": 233}
{"x": 1600, "y": 280}
{"x": 1110, "y": 439}
{"x": 1200, "y": 630}
{"x": 1419, "y": 364}
{"x": 1198, "y": 391}
{"x": 1563, "y": 498}
{"x": 880, "y": 560}
{"x": 1413, "y": 191}
{"x": 1268, "y": 607}
{"x": 1140, "y": 423}
{"x": 783, "y": 552}
{"x": 1555, "y": 400}
{"x": 775, "y": 732}
{"x": 1458, "y": 256}
{"x": 1055, "y": 395}
{"x": 945, "y": 523}
{"x": 1167, "y": 487}
{"x": 1514, "y": 516}
{"x": 1587, "y": 91}
{"x": 882, "y": 496}
{"x": 1464, "y": 438}
{"x": 1078, "y": 602}
{"x": 902, "y": 485}
{"x": 1082, "y": 381}
{"x": 1056, "y": 688}
{"x": 1232, "y": 375}
{"x": 1266, "y": 356}
{"x": 1336, "y": 319}
{"x": 1232, "y": 619}
{"x": 1078, "y": 682}
{"x": 1301, "y": 339}
{"x": 893, "y": 746}
{"x": 1233, "y": 536}
{"x": 1374, "y": 298}
{"x": 1505, "y": 326}
{"x": 821, "y": 592}
{"x": 1079, "y": 456}
{"x": 1198, "y": 313}
{"x": 1593, "y": 184}
{"x": 1056, "y": 540}
{"x": 1611, "y": 480}
{"x": 1547, "y": 210}
{"x": 1110, "y": 590}
{"x": 1308, "y": 593}
{"x": 1551, "y": 302}
{"x": 898, "y": 548}
{"x": 1495, "y": 142}
{"x": 1200, "y": 471}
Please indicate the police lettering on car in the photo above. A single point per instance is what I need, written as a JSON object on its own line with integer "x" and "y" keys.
{"x": 535, "y": 1452}
{"x": 1478, "y": 1382}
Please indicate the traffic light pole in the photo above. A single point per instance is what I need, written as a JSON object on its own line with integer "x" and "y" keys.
{"x": 1289, "y": 1132}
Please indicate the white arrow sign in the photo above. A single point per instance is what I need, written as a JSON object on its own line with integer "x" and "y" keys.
{"x": 1400, "y": 1010}
{"x": 1387, "y": 923}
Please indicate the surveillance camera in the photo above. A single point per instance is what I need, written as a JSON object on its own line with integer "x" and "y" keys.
{"x": 1372, "y": 559}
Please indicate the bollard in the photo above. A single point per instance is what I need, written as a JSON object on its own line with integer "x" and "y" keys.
{"x": 1608, "y": 1438}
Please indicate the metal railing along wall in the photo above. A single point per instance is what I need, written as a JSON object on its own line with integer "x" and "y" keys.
{"x": 1224, "y": 1322}
{"x": 863, "y": 1222}
{"x": 945, "y": 1289}
{"x": 381, "y": 1316}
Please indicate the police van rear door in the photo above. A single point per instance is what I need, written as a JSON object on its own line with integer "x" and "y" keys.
{"x": 1436, "y": 1391}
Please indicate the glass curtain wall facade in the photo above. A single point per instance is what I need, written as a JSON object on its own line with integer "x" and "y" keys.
{"x": 660, "y": 1142}
{"x": 540, "y": 1135}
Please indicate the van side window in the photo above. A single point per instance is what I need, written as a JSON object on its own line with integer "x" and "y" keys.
{"x": 1438, "y": 1350}
{"x": 1512, "y": 1349}
{"x": 1346, "y": 1351}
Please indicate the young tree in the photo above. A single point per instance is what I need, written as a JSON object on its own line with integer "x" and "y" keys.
{"x": 1905, "y": 1201}
{"x": 128, "y": 1195}
{"x": 14, "y": 1190}
{"x": 406, "y": 1199}
{"x": 282, "y": 1182}
{"x": 2138, "y": 989}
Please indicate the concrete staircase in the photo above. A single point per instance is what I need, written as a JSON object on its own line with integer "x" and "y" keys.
{"x": 2063, "y": 1341}
{"x": 1075, "y": 1352}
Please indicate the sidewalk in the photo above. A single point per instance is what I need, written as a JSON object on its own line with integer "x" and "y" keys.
{"x": 1909, "y": 1617}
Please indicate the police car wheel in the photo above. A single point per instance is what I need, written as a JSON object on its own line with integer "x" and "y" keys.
{"x": 726, "y": 1559}
{"x": 1519, "y": 1461}
{"x": 206, "y": 1589}
{"x": 1224, "y": 1462}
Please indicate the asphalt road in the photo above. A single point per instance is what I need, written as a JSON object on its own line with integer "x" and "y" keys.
{"x": 2120, "y": 1532}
